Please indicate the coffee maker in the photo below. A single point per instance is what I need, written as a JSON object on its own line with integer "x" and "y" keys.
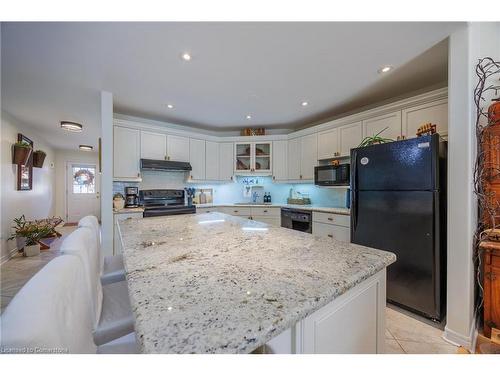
{"x": 131, "y": 196}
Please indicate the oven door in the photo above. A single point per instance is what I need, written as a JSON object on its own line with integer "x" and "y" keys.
{"x": 331, "y": 175}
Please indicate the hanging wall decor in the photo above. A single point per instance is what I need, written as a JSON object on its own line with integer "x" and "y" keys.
{"x": 25, "y": 171}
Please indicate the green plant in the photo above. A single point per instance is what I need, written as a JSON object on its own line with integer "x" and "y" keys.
{"x": 118, "y": 195}
{"x": 40, "y": 152}
{"x": 367, "y": 141}
{"x": 22, "y": 144}
{"x": 32, "y": 231}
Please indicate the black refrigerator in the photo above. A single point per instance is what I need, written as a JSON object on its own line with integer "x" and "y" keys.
{"x": 398, "y": 204}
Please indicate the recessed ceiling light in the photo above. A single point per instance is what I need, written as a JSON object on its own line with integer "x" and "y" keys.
{"x": 249, "y": 117}
{"x": 304, "y": 104}
{"x": 186, "y": 56}
{"x": 71, "y": 126}
{"x": 170, "y": 106}
{"x": 385, "y": 69}
{"x": 85, "y": 147}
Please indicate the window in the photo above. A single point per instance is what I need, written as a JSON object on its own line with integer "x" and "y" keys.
{"x": 83, "y": 180}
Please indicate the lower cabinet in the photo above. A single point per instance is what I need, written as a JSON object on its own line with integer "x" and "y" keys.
{"x": 117, "y": 244}
{"x": 332, "y": 226}
{"x": 353, "y": 323}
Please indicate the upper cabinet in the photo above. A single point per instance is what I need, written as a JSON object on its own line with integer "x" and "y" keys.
{"x": 197, "y": 159}
{"x": 178, "y": 148}
{"x": 226, "y": 157}
{"x": 211, "y": 160}
{"x": 126, "y": 154}
{"x": 294, "y": 159}
{"x": 253, "y": 158}
{"x": 391, "y": 122}
{"x": 280, "y": 162}
{"x": 308, "y": 156}
{"x": 434, "y": 112}
{"x": 153, "y": 146}
{"x": 328, "y": 144}
{"x": 350, "y": 136}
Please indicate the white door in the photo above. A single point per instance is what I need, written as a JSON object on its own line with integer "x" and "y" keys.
{"x": 350, "y": 136}
{"x": 82, "y": 187}
{"x": 212, "y": 160}
{"x": 126, "y": 149}
{"x": 375, "y": 125}
{"x": 226, "y": 157}
{"x": 197, "y": 158}
{"x": 177, "y": 148}
{"x": 328, "y": 144}
{"x": 309, "y": 156}
{"x": 153, "y": 146}
{"x": 294, "y": 159}
{"x": 280, "y": 155}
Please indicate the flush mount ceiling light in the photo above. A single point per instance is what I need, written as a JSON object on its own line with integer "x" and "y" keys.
{"x": 71, "y": 126}
{"x": 186, "y": 56}
{"x": 86, "y": 147}
{"x": 385, "y": 69}
{"x": 170, "y": 106}
{"x": 248, "y": 117}
{"x": 304, "y": 104}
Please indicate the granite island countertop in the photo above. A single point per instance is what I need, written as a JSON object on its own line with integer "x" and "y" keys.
{"x": 215, "y": 283}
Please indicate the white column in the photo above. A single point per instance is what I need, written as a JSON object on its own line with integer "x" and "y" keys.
{"x": 466, "y": 46}
{"x": 107, "y": 172}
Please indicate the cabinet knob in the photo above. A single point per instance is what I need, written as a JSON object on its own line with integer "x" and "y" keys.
{"x": 330, "y": 235}
{"x": 301, "y": 177}
{"x": 231, "y": 178}
{"x": 265, "y": 210}
{"x": 191, "y": 177}
{"x": 168, "y": 157}
{"x": 235, "y": 211}
{"x": 138, "y": 175}
{"x": 330, "y": 218}
{"x": 274, "y": 177}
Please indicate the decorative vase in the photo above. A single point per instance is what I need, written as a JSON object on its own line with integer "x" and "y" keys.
{"x": 32, "y": 250}
{"x": 494, "y": 112}
{"x": 118, "y": 203}
{"x": 20, "y": 243}
{"x": 21, "y": 155}
{"x": 38, "y": 159}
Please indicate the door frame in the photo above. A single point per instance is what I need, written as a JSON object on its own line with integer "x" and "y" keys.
{"x": 66, "y": 187}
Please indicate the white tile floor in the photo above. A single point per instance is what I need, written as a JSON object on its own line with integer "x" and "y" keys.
{"x": 404, "y": 333}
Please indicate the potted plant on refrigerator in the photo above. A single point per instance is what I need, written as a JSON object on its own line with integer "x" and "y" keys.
{"x": 21, "y": 153}
{"x": 38, "y": 158}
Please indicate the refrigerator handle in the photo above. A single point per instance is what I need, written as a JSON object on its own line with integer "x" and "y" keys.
{"x": 354, "y": 190}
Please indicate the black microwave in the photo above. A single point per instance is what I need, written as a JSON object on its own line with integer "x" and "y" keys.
{"x": 332, "y": 175}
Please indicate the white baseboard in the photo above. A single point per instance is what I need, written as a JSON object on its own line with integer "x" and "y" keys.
{"x": 6, "y": 257}
{"x": 455, "y": 338}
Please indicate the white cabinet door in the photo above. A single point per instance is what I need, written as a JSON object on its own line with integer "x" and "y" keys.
{"x": 226, "y": 161}
{"x": 328, "y": 144}
{"x": 309, "y": 156}
{"x": 153, "y": 146}
{"x": 332, "y": 231}
{"x": 197, "y": 158}
{"x": 178, "y": 148}
{"x": 211, "y": 160}
{"x": 126, "y": 153}
{"x": 280, "y": 156}
{"x": 435, "y": 113}
{"x": 294, "y": 159}
{"x": 391, "y": 121}
{"x": 350, "y": 136}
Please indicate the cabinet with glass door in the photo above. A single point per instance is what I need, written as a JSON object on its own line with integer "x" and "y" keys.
{"x": 253, "y": 158}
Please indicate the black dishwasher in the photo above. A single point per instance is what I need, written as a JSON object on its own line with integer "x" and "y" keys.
{"x": 300, "y": 220}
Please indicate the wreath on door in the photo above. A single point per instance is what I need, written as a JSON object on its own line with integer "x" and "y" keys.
{"x": 84, "y": 177}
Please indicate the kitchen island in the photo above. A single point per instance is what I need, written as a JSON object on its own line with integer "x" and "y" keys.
{"x": 215, "y": 283}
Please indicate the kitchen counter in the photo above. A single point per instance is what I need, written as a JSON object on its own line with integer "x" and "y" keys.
{"x": 215, "y": 283}
{"x": 128, "y": 210}
{"x": 332, "y": 210}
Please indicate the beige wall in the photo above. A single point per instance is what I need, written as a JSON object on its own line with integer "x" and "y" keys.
{"x": 62, "y": 157}
{"x": 34, "y": 204}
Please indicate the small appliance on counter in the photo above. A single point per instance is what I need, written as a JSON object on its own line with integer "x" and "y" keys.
{"x": 164, "y": 202}
{"x": 131, "y": 196}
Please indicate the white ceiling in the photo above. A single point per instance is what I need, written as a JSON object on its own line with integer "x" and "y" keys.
{"x": 55, "y": 71}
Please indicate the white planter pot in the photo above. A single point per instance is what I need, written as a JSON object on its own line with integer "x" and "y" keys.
{"x": 32, "y": 250}
{"x": 20, "y": 243}
{"x": 118, "y": 204}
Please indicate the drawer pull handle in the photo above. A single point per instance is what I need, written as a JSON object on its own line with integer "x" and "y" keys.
{"x": 330, "y": 218}
{"x": 330, "y": 235}
{"x": 235, "y": 211}
{"x": 265, "y": 210}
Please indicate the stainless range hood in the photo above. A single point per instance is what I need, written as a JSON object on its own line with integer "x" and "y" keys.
{"x": 165, "y": 165}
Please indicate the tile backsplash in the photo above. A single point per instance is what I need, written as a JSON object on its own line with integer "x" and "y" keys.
{"x": 233, "y": 192}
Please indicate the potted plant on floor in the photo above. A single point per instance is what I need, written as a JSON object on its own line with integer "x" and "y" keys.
{"x": 31, "y": 233}
{"x": 19, "y": 231}
{"x": 38, "y": 158}
{"x": 21, "y": 153}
